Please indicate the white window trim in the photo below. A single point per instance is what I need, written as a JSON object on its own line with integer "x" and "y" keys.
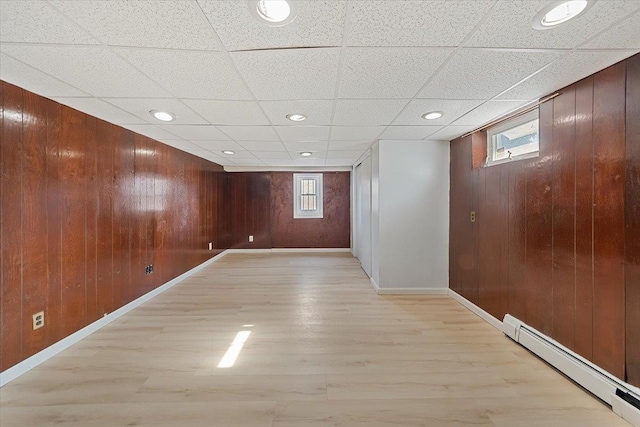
{"x": 298, "y": 213}
{"x": 527, "y": 117}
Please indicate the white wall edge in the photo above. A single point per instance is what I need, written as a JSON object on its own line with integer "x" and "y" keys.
{"x": 43, "y": 355}
{"x": 374, "y": 284}
{"x": 287, "y": 250}
{"x": 476, "y": 310}
{"x": 413, "y": 291}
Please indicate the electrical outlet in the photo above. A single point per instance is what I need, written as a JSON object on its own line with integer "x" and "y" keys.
{"x": 251, "y": 238}
{"x": 38, "y": 320}
{"x": 210, "y": 246}
{"x": 473, "y": 216}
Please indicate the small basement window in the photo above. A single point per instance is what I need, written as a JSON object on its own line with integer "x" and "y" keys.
{"x": 307, "y": 192}
{"x": 514, "y": 139}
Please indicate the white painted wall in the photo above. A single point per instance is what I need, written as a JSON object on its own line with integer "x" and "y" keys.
{"x": 414, "y": 214}
{"x": 375, "y": 214}
{"x": 363, "y": 214}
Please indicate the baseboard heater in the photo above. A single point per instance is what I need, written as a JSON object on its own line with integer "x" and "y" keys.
{"x": 623, "y": 398}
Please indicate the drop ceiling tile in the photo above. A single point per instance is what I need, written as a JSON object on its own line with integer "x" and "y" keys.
{"x": 483, "y": 74}
{"x": 142, "y": 106}
{"x": 161, "y": 24}
{"x": 263, "y": 145}
{"x": 515, "y": 30}
{"x": 341, "y": 162}
{"x": 409, "y": 132}
{"x": 271, "y": 154}
{"x": 238, "y": 155}
{"x": 229, "y": 112}
{"x": 563, "y": 72}
{"x": 189, "y": 74}
{"x": 355, "y": 133}
{"x": 279, "y": 162}
{"x": 367, "y": 112}
{"x": 451, "y": 109}
{"x": 95, "y": 70}
{"x": 318, "y": 112}
{"x": 249, "y": 162}
{"x": 309, "y": 162}
{"x": 151, "y": 131}
{"x": 303, "y": 133}
{"x": 318, "y": 23}
{"x": 388, "y": 72}
{"x": 196, "y": 132}
{"x": 250, "y": 133}
{"x": 290, "y": 73}
{"x": 100, "y": 109}
{"x": 38, "y": 22}
{"x": 487, "y": 112}
{"x": 621, "y": 36}
{"x": 450, "y": 132}
{"x": 412, "y": 23}
{"x": 19, "y": 74}
{"x": 297, "y": 147}
{"x": 218, "y": 146}
{"x": 350, "y": 145}
{"x": 183, "y": 145}
{"x": 350, "y": 154}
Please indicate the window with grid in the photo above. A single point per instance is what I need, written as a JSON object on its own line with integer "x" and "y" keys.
{"x": 307, "y": 190}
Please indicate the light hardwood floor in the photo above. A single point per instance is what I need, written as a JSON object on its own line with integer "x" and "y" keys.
{"x": 324, "y": 350}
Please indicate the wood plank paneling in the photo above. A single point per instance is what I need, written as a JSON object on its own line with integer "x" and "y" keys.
{"x": 564, "y": 217}
{"x": 539, "y": 294}
{"x": 34, "y": 224}
{"x": 73, "y": 193}
{"x": 632, "y": 221}
{"x": 11, "y": 153}
{"x": 331, "y": 231}
{"x": 85, "y": 203}
{"x": 584, "y": 219}
{"x": 608, "y": 218}
{"x": 573, "y": 253}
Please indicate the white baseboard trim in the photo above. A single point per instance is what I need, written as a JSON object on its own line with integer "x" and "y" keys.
{"x": 413, "y": 291}
{"x": 33, "y": 361}
{"x": 593, "y": 378}
{"x": 287, "y": 250}
{"x": 476, "y": 310}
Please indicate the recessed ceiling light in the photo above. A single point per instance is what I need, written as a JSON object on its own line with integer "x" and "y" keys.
{"x": 432, "y": 115}
{"x": 275, "y": 13}
{"x": 162, "y": 115}
{"x": 560, "y": 12}
{"x": 228, "y": 152}
{"x": 296, "y": 117}
{"x": 306, "y": 154}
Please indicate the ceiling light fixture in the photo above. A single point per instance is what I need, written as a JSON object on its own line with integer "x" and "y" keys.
{"x": 274, "y": 13}
{"x": 296, "y": 117}
{"x": 228, "y": 152}
{"x": 560, "y": 12}
{"x": 306, "y": 153}
{"x": 432, "y": 115}
{"x": 162, "y": 115}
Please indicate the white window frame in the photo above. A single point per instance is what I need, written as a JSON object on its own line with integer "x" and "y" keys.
{"x": 505, "y": 126}
{"x": 298, "y": 213}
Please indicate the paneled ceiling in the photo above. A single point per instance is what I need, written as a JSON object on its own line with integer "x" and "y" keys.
{"x": 360, "y": 70}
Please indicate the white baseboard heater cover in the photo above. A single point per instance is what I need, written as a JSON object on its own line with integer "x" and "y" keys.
{"x": 623, "y": 398}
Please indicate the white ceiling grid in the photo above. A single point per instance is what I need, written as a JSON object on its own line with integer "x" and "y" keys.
{"x": 360, "y": 70}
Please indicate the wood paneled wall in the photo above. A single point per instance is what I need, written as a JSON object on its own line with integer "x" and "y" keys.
{"x": 85, "y": 206}
{"x": 331, "y": 231}
{"x": 556, "y": 242}
{"x": 261, "y": 204}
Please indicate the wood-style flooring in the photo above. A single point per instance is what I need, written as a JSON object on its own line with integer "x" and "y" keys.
{"x": 323, "y": 350}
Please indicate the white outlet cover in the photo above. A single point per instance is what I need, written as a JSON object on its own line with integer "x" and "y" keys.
{"x": 251, "y": 238}
{"x": 210, "y": 246}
